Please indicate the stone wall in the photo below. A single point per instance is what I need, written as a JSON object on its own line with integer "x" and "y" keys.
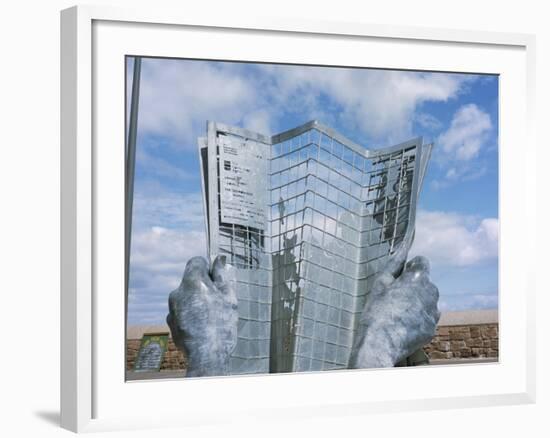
{"x": 464, "y": 342}
{"x": 460, "y": 336}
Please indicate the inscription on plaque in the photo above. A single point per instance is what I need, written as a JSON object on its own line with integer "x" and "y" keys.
{"x": 243, "y": 175}
{"x": 151, "y": 352}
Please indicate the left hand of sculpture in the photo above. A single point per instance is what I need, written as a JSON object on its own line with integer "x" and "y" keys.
{"x": 203, "y": 316}
{"x": 400, "y": 315}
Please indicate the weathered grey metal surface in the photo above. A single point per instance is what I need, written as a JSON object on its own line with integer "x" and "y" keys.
{"x": 203, "y": 316}
{"x": 400, "y": 315}
{"x": 336, "y": 211}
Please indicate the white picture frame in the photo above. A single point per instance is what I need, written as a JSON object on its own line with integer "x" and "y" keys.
{"x": 94, "y": 395}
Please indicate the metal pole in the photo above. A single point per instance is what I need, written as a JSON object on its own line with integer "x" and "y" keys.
{"x": 131, "y": 162}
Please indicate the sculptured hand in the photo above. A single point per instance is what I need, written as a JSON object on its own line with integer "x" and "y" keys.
{"x": 400, "y": 316}
{"x": 203, "y": 316}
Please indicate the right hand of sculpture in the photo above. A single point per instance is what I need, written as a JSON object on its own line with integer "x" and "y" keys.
{"x": 203, "y": 316}
{"x": 400, "y": 315}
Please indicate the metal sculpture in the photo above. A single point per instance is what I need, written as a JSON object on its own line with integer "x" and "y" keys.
{"x": 314, "y": 224}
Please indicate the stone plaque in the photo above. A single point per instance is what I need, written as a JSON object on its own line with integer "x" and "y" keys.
{"x": 151, "y": 352}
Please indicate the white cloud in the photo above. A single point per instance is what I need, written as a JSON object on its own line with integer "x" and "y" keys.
{"x": 458, "y": 148}
{"x": 153, "y": 164}
{"x": 157, "y": 207}
{"x": 161, "y": 249}
{"x": 158, "y": 259}
{"x": 455, "y": 240}
{"x": 467, "y": 134}
{"x": 428, "y": 121}
{"x": 378, "y": 103}
{"x": 258, "y": 121}
{"x": 177, "y": 97}
{"x": 168, "y": 230}
{"x": 460, "y": 172}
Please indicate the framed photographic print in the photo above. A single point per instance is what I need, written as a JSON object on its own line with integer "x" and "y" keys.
{"x": 274, "y": 216}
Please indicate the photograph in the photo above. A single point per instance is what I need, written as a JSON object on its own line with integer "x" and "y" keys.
{"x": 276, "y": 219}
{"x": 289, "y": 218}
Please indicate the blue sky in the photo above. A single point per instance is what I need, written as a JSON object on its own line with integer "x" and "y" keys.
{"x": 457, "y": 218}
